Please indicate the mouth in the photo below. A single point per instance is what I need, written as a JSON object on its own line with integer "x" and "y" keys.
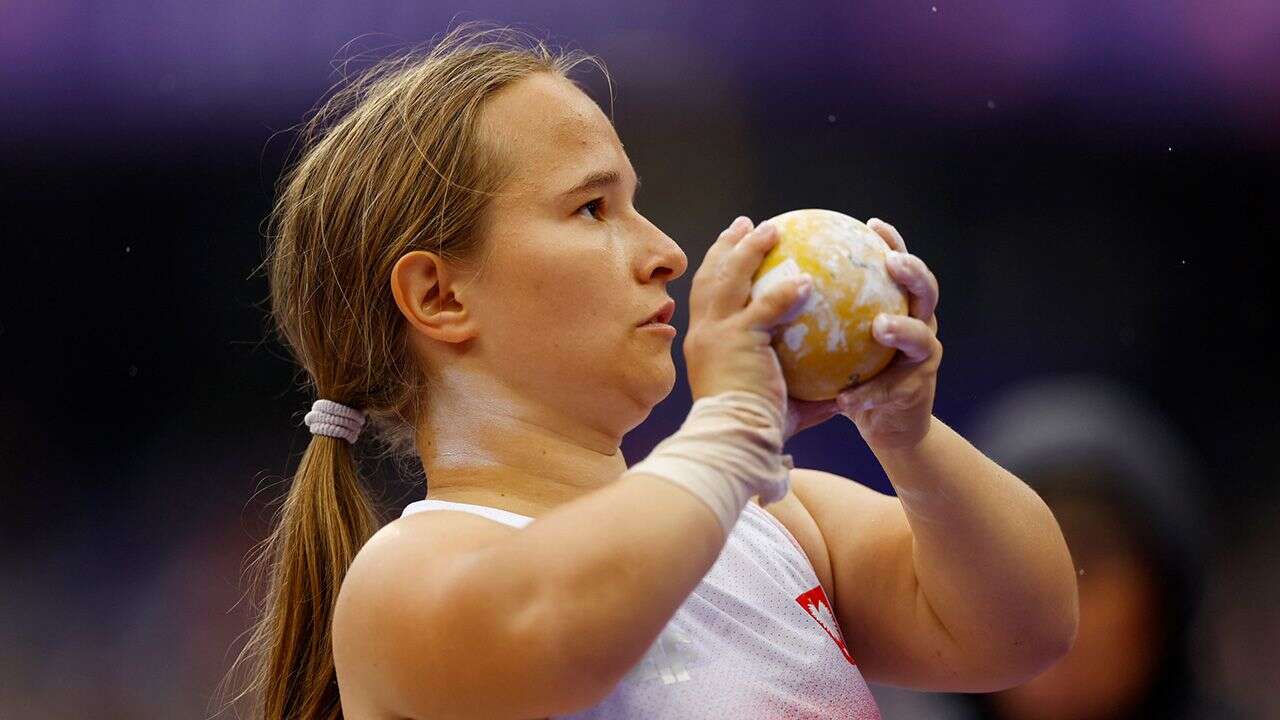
{"x": 662, "y": 315}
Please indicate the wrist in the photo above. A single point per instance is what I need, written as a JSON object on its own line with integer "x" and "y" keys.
{"x": 751, "y": 409}
{"x": 902, "y": 445}
{"x": 728, "y": 449}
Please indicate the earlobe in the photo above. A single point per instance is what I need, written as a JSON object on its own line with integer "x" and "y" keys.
{"x": 422, "y": 287}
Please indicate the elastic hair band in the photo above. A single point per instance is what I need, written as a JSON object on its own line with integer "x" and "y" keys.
{"x": 334, "y": 420}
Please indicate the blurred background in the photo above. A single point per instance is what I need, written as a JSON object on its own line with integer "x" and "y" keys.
{"x": 1094, "y": 184}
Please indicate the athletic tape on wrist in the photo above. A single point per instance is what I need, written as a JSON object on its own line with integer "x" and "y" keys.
{"x": 727, "y": 449}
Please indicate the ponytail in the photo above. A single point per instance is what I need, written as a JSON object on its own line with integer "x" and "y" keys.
{"x": 325, "y": 519}
{"x": 380, "y": 161}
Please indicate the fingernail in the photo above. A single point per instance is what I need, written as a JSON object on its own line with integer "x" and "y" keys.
{"x": 739, "y": 222}
{"x": 804, "y": 285}
{"x": 882, "y": 324}
{"x": 765, "y": 229}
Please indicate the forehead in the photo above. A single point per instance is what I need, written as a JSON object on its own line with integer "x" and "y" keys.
{"x": 552, "y": 133}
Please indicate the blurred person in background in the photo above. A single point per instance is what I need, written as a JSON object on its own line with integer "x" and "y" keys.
{"x": 1240, "y": 630}
{"x": 1127, "y": 493}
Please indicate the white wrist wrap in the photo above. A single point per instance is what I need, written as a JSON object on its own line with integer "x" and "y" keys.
{"x": 728, "y": 449}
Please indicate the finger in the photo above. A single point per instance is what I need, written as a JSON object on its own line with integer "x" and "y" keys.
{"x": 910, "y": 335}
{"x": 891, "y": 236}
{"x": 912, "y": 273}
{"x": 744, "y": 257}
{"x": 740, "y": 263}
{"x": 740, "y": 231}
{"x": 870, "y": 394}
{"x": 779, "y": 303}
{"x": 811, "y": 413}
{"x": 804, "y": 414}
{"x": 726, "y": 239}
{"x": 737, "y": 229}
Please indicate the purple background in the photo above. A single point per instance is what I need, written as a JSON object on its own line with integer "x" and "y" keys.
{"x": 1095, "y": 185}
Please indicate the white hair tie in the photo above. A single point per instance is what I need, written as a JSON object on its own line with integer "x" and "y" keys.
{"x": 334, "y": 420}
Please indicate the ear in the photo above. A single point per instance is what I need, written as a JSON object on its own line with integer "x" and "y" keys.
{"x": 425, "y": 292}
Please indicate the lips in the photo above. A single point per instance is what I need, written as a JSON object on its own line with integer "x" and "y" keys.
{"x": 662, "y": 314}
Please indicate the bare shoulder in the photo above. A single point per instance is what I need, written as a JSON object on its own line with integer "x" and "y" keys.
{"x": 406, "y": 554}
{"x": 395, "y": 574}
{"x": 439, "y": 533}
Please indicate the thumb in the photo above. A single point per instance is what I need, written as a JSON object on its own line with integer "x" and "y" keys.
{"x": 866, "y": 396}
{"x": 778, "y": 302}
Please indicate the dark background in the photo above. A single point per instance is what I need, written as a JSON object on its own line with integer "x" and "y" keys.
{"x": 1094, "y": 184}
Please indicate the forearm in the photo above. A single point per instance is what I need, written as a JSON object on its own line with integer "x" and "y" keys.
{"x": 620, "y": 561}
{"x": 989, "y": 556}
{"x": 613, "y": 568}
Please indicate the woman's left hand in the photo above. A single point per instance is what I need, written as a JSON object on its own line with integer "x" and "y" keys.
{"x": 892, "y": 410}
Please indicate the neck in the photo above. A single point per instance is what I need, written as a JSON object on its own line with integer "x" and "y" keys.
{"x": 517, "y": 456}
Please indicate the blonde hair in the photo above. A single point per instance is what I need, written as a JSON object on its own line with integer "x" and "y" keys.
{"x": 391, "y": 163}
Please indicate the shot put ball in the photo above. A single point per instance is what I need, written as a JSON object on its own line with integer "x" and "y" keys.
{"x": 825, "y": 344}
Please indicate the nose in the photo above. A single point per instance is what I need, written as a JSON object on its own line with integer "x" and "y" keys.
{"x": 663, "y": 257}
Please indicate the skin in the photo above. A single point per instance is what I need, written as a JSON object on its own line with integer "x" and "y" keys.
{"x": 963, "y": 579}
{"x": 514, "y": 425}
{"x": 1111, "y": 665}
{"x": 535, "y": 398}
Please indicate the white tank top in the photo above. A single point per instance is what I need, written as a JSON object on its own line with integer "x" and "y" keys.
{"x": 755, "y": 639}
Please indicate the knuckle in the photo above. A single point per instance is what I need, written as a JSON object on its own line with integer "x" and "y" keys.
{"x": 917, "y": 269}
{"x": 779, "y": 300}
{"x": 917, "y": 283}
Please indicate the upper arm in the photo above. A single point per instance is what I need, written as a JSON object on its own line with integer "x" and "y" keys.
{"x": 890, "y": 628}
{"x": 422, "y": 627}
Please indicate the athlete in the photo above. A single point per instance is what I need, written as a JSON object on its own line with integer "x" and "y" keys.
{"x": 457, "y": 259}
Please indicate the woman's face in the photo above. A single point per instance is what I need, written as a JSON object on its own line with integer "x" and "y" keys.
{"x": 570, "y": 274}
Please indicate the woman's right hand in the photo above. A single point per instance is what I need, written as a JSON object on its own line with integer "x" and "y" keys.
{"x": 728, "y": 346}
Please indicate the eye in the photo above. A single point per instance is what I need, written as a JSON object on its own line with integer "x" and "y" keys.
{"x": 597, "y": 204}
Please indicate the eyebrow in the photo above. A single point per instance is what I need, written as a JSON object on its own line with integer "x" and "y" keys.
{"x": 596, "y": 180}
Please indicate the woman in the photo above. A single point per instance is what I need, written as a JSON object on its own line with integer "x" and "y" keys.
{"x": 458, "y": 258}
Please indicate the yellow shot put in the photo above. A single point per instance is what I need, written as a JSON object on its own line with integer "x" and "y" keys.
{"x": 825, "y": 344}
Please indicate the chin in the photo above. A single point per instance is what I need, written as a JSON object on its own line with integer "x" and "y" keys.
{"x": 658, "y": 388}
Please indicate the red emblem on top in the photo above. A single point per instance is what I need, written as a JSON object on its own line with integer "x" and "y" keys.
{"x": 815, "y": 603}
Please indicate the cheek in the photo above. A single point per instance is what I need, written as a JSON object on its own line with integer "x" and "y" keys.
{"x": 559, "y": 286}
{"x": 551, "y": 312}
